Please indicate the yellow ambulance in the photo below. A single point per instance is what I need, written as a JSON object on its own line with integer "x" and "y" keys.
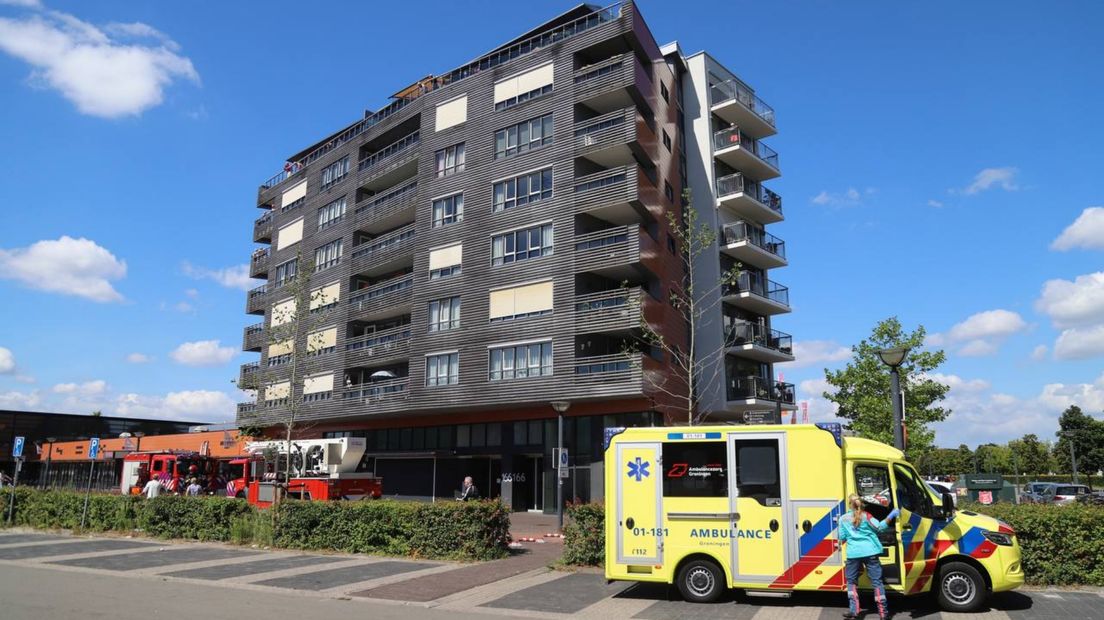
{"x": 756, "y": 508}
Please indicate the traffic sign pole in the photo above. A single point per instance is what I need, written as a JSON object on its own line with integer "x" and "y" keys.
{"x": 17, "y": 454}
{"x": 93, "y": 452}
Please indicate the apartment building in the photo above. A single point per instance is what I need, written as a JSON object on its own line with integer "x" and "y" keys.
{"x": 489, "y": 243}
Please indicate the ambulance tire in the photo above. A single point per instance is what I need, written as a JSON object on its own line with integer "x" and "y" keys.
{"x": 701, "y": 581}
{"x": 960, "y": 588}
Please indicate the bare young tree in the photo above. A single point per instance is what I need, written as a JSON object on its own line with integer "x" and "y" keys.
{"x": 696, "y": 302}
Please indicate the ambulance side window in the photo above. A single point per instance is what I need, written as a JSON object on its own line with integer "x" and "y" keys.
{"x": 695, "y": 469}
{"x": 872, "y": 485}
{"x": 910, "y": 495}
{"x": 757, "y": 471}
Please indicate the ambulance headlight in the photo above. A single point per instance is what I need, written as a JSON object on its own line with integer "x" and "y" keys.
{"x": 997, "y": 538}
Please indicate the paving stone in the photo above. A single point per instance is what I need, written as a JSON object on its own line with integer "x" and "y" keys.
{"x": 268, "y": 565}
{"x": 334, "y": 577}
{"x": 568, "y": 595}
{"x": 70, "y": 548}
{"x": 153, "y": 559}
{"x": 11, "y": 539}
{"x": 1051, "y": 605}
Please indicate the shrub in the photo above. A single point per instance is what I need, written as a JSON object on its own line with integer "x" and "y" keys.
{"x": 585, "y": 535}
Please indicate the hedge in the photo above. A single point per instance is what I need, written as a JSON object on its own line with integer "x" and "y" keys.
{"x": 445, "y": 530}
{"x": 1061, "y": 545}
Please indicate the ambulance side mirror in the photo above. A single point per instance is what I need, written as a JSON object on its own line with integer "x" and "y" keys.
{"x": 948, "y": 505}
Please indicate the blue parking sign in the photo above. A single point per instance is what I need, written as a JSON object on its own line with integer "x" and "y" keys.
{"x": 17, "y": 447}
{"x": 93, "y": 448}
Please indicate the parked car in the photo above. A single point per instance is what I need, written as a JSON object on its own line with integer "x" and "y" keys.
{"x": 1096, "y": 498}
{"x": 1068, "y": 493}
{"x": 1038, "y": 493}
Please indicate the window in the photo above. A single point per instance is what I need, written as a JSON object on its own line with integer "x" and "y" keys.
{"x": 523, "y": 360}
{"x": 669, "y": 192}
{"x": 666, "y": 140}
{"x": 664, "y": 92}
{"x": 757, "y": 471}
{"x": 872, "y": 485}
{"x": 328, "y": 255}
{"x": 335, "y": 172}
{"x": 519, "y": 245}
{"x": 521, "y": 301}
{"x": 445, "y": 262}
{"x": 526, "y": 136}
{"x": 331, "y": 213}
{"x": 290, "y": 234}
{"x": 523, "y": 86}
{"x": 285, "y": 272}
{"x": 912, "y": 495}
{"x": 443, "y": 369}
{"x": 524, "y": 189}
{"x": 695, "y": 469}
{"x": 450, "y": 160}
{"x": 322, "y": 341}
{"x": 451, "y": 113}
{"x": 448, "y": 210}
{"x": 444, "y": 314}
{"x": 523, "y": 97}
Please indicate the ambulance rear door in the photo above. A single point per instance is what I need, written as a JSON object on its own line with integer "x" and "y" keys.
{"x": 639, "y": 503}
{"x": 759, "y": 505}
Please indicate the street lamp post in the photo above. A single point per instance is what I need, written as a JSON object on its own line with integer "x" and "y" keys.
{"x": 894, "y": 358}
{"x": 560, "y": 406}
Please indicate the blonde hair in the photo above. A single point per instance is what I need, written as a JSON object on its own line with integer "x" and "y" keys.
{"x": 855, "y": 503}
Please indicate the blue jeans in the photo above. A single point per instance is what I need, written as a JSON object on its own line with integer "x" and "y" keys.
{"x": 874, "y": 572}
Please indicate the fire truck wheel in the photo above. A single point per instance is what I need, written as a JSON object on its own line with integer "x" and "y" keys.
{"x": 701, "y": 581}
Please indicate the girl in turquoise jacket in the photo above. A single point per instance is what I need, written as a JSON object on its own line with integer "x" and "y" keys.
{"x": 858, "y": 531}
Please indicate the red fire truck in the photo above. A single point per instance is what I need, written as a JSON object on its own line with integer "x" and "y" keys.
{"x": 321, "y": 469}
{"x": 172, "y": 468}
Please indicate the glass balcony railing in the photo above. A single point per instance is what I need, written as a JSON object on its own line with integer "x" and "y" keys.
{"x": 386, "y": 287}
{"x": 759, "y": 388}
{"x": 754, "y": 283}
{"x": 745, "y": 332}
{"x": 384, "y": 243}
{"x": 732, "y": 136}
{"x": 734, "y": 91}
{"x": 743, "y": 231}
{"x": 394, "y": 148}
{"x": 377, "y": 389}
{"x": 388, "y": 197}
{"x": 737, "y": 184}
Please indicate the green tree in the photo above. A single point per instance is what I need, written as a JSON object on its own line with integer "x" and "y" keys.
{"x": 1086, "y": 433}
{"x": 993, "y": 458}
{"x": 964, "y": 460}
{"x": 863, "y": 388}
{"x": 1032, "y": 457}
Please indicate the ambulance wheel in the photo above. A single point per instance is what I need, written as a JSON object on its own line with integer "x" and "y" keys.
{"x": 701, "y": 581}
{"x": 961, "y": 588}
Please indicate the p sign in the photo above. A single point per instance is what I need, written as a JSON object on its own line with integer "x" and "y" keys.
{"x": 93, "y": 448}
{"x": 17, "y": 447}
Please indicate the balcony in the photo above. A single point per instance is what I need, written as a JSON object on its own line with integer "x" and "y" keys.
{"x": 749, "y": 199}
{"x": 376, "y": 392}
{"x": 385, "y": 254}
{"x": 757, "y": 294}
{"x": 378, "y": 347}
{"x": 246, "y": 409}
{"x": 616, "y": 311}
{"x": 382, "y": 300}
{"x": 618, "y": 195}
{"x": 256, "y": 300}
{"x": 604, "y": 370}
{"x": 263, "y": 228}
{"x": 258, "y": 263}
{"x": 614, "y": 83}
{"x": 253, "y": 337}
{"x": 736, "y": 149}
{"x": 617, "y": 253}
{"x": 753, "y": 341}
{"x": 387, "y": 209}
{"x": 614, "y": 139}
{"x": 752, "y": 245}
{"x": 247, "y": 377}
{"x": 391, "y": 164}
{"x": 736, "y": 104}
{"x": 757, "y": 394}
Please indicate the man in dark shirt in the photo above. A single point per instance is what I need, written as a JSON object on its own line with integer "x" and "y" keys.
{"x": 469, "y": 490}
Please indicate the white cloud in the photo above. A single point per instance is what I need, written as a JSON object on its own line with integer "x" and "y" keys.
{"x": 981, "y": 333}
{"x": 88, "y": 388}
{"x": 25, "y": 378}
{"x": 935, "y": 204}
{"x": 1080, "y": 343}
{"x": 203, "y": 353}
{"x": 190, "y": 405}
{"x": 192, "y": 293}
{"x": 1086, "y": 232}
{"x": 23, "y": 3}
{"x": 848, "y": 198}
{"x": 817, "y": 352}
{"x": 230, "y": 277}
{"x": 138, "y": 358}
{"x": 1039, "y": 353}
{"x": 1071, "y": 304}
{"x": 816, "y": 387}
{"x": 7, "y": 361}
{"x": 68, "y": 266}
{"x": 20, "y": 401}
{"x": 1004, "y": 178}
{"x": 104, "y": 72}
{"x": 959, "y": 384}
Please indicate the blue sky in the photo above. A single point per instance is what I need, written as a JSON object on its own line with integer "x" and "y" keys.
{"x": 940, "y": 162}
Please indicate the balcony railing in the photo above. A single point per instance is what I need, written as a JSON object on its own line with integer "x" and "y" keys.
{"x": 742, "y": 231}
{"x": 736, "y": 184}
{"x": 384, "y": 243}
{"x": 746, "y": 332}
{"x": 595, "y": 303}
{"x": 262, "y": 228}
{"x": 744, "y": 388}
{"x": 247, "y": 408}
{"x": 752, "y": 282}
{"x": 386, "y": 287}
{"x": 494, "y": 59}
{"x": 384, "y": 338}
{"x": 259, "y": 261}
{"x": 378, "y": 390}
{"x": 394, "y": 148}
{"x": 602, "y": 364}
{"x": 732, "y": 136}
{"x": 389, "y": 197}
{"x": 734, "y": 91}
